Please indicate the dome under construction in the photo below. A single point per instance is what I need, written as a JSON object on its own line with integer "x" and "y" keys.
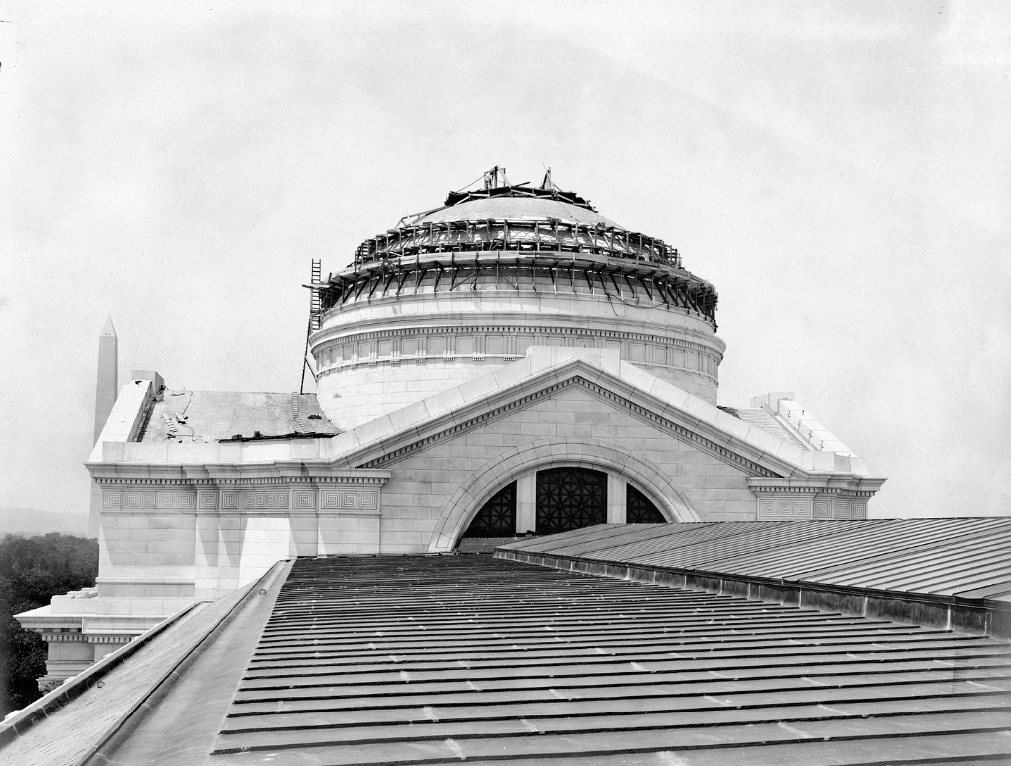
{"x": 450, "y": 294}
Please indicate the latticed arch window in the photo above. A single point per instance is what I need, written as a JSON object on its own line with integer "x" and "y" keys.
{"x": 570, "y": 498}
{"x": 497, "y": 517}
{"x": 640, "y": 510}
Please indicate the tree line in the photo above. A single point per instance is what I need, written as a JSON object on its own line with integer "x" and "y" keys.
{"x": 33, "y": 570}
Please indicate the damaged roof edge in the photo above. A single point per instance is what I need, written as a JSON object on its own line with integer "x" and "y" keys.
{"x": 146, "y": 411}
{"x": 257, "y": 436}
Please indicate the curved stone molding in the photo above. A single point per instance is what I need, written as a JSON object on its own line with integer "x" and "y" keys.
{"x": 553, "y": 453}
{"x": 504, "y": 344}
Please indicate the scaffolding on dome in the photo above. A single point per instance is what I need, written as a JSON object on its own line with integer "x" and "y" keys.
{"x": 515, "y": 235}
{"x": 634, "y": 280}
{"x": 458, "y": 254}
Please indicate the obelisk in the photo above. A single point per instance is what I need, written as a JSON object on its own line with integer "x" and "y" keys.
{"x": 108, "y": 366}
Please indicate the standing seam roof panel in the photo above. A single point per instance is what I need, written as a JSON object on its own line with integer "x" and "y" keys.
{"x": 844, "y": 551}
{"x": 937, "y": 557}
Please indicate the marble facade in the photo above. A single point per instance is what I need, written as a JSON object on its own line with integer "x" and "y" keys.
{"x": 437, "y": 387}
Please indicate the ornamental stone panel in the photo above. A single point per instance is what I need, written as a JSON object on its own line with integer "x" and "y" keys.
{"x": 303, "y": 499}
{"x": 784, "y": 509}
{"x": 264, "y": 499}
{"x": 141, "y": 500}
{"x": 338, "y": 500}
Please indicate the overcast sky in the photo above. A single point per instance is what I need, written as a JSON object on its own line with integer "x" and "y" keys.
{"x": 840, "y": 172}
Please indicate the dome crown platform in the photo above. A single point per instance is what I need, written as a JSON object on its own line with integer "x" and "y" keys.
{"x": 519, "y": 219}
{"x": 513, "y": 204}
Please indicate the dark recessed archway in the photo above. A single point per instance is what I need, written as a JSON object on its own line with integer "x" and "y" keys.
{"x": 497, "y": 517}
{"x": 639, "y": 509}
{"x": 570, "y": 498}
{"x": 479, "y": 487}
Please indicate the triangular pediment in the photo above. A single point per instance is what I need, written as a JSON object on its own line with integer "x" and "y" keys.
{"x": 546, "y": 372}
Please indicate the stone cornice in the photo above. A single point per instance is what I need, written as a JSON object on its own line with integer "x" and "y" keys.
{"x": 49, "y": 622}
{"x": 682, "y": 373}
{"x": 737, "y": 454}
{"x": 843, "y": 485}
{"x": 456, "y": 429}
{"x": 359, "y": 453}
{"x": 277, "y": 472}
{"x": 728, "y": 448}
{"x": 450, "y": 324}
{"x": 48, "y": 637}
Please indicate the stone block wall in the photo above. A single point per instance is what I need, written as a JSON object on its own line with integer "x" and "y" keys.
{"x": 380, "y": 355}
{"x": 422, "y": 485}
{"x": 162, "y": 548}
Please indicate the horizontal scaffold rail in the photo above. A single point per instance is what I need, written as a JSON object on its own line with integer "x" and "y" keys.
{"x": 522, "y": 236}
{"x": 622, "y": 279}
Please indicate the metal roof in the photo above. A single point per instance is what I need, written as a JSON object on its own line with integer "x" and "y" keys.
{"x": 967, "y": 558}
{"x": 437, "y": 660}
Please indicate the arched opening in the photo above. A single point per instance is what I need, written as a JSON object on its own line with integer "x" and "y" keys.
{"x": 521, "y": 464}
{"x": 560, "y": 499}
{"x": 639, "y": 509}
{"x": 497, "y": 517}
{"x": 570, "y": 498}
{"x": 494, "y": 524}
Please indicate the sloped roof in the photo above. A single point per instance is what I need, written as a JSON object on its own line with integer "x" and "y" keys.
{"x": 70, "y": 724}
{"x": 967, "y": 558}
{"x": 434, "y": 660}
{"x": 766, "y": 422}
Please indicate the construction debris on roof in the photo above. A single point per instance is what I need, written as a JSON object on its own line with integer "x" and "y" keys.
{"x": 209, "y": 416}
{"x": 438, "y": 660}
{"x": 960, "y": 567}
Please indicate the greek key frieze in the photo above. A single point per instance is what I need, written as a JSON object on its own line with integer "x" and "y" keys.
{"x": 784, "y": 508}
{"x": 140, "y": 500}
{"x": 207, "y": 499}
{"x": 303, "y": 499}
{"x": 264, "y": 500}
{"x": 349, "y": 499}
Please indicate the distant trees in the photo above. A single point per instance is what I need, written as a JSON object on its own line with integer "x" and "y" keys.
{"x": 32, "y": 570}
